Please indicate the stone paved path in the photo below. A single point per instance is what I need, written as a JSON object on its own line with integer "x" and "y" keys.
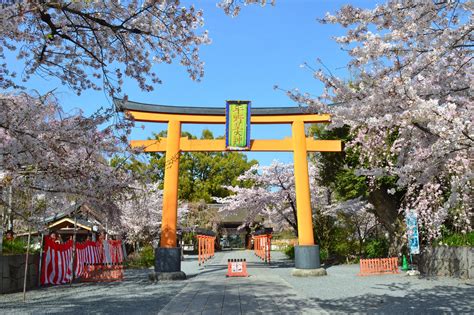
{"x": 211, "y": 292}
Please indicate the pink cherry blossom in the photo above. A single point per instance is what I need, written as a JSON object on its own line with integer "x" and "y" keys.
{"x": 410, "y": 103}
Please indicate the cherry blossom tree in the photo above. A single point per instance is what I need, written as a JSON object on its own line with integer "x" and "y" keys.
{"x": 46, "y": 152}
{"x": 140, "y": 215}
{"x": 360, "y": 214}
{"x": 409, "y": 104}
{"x": 141, "y": 212}
{"x": 272, "y": 195}
{"x": 233, "y": 7}
{"x": 87, "y": 44}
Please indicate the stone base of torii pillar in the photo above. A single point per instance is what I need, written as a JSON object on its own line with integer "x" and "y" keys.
{"x": 307, "y": 262}
{"x": 168, "y": 264}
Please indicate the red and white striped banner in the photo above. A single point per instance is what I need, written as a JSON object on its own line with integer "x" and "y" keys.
{"x": 87, "y": 252}
{"x": 57, "y": 266}
{"x": 115, "y": 250}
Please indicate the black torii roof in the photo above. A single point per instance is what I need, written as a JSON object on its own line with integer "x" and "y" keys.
{"x": 123, "y": 105}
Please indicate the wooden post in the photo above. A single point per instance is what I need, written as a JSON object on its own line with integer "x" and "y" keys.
{"x": 40, "y": 269}
{"x": 26, "y": 264}
{"x": 73, "y": 254}
{"x": 199, "y": 249}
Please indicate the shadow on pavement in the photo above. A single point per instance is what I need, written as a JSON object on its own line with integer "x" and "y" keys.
{"x": 436, "y": 300}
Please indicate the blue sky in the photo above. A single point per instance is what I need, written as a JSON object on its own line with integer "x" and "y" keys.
{"x": 249, "y": 54}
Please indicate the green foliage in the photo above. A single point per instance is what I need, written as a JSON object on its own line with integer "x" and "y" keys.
{"x": 323, "y": 254}
{"x": 339, "y": 243}
{"x": 456, "y": 240}
{"x": 387, "y": 181}
{"x": 349, "y": 186}
{"x": 376, "y": 248}
{"x": 338, "y": 168}
{"x": 189, "y": 238}
{"x": 342, "y": 249}
{"x": 283, "y": 235}
{"x": 131, "y": 164}
{"x": 199, "y": 214}
{"x": 335, "y": 238}
{"x": 17, "y": 246}
{"x": 202, "y": 174}
{"x": 330, "y": 162}
{"x": 145, "y": 258}
{"x": 290, "y": 252}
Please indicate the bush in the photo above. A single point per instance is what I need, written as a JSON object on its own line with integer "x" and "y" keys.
{"x": 323, "y": 254}
{"x": 457, "y": 240}
{"x": 17, "y": 247}
{"x": 145, "y": 258}
{"x": 290, "y": 251}
{"x": 283, "y": 235}
{"x": 343, "y": 250}
{"x": 376, "y": 248}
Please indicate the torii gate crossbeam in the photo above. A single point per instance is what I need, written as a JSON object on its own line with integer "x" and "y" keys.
{"x": 175, "y": 116}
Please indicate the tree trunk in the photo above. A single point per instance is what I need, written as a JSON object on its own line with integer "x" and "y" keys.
{"x": 387, "y": 211}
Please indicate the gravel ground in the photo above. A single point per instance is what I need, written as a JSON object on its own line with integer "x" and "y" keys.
{"x": 342, "y": 291}
{"x": 136, "y": 294}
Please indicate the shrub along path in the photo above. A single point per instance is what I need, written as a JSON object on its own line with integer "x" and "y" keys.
{"x": 268, "y": 290}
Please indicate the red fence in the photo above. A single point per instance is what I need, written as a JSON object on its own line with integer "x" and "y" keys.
{"x": 205, "y": 247}
{"x": 378, "y": 266}
{"x": 57, "y": 265}
{"x": 262, "y": 246}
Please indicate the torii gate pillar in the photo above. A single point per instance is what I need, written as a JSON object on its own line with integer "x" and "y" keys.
{"x": 168, "y": 255}
{"x": 306, "y": 252}
{"x": 170, "y": 196}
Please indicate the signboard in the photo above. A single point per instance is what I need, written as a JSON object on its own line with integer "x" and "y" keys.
{"x": 237, "y": 266}
{"x": 412, "y": 230}
{"x": 237, "y": 125}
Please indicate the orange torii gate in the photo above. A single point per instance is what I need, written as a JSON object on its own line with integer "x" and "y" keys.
{"x": 168, "y": 255}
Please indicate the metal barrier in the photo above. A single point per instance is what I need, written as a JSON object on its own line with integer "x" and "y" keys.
{"x": 378, "y": 266}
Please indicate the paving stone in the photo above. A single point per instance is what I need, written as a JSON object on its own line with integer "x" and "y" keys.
{"x": 212, "y": 312}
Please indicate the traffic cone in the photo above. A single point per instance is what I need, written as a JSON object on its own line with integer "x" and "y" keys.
{"x": 404, "y": 263}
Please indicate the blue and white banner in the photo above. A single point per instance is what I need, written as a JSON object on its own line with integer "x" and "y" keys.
{"x": 412, "y": 231}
